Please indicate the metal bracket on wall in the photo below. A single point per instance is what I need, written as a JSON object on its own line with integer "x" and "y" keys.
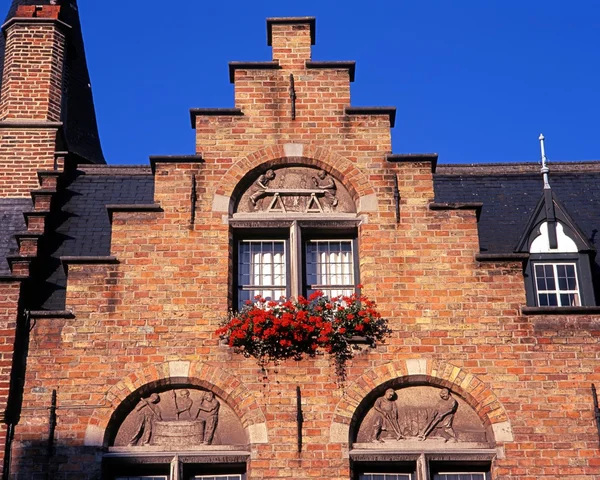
{"x": 193, "y": 198}
{"x": 299, "y": 417}
{"x": 293, "y": 95}
{"x": 596, "y": 411}
{"x": 397, "y": 198}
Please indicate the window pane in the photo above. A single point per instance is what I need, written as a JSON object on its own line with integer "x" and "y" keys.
{"x": 547, "y": 300}
{"x": 330, "y": 263}
{"x": 262, "y": 263}
{"x": 569, "y": 299}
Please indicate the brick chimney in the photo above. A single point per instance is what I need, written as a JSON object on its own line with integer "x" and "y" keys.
{"x": 291, "y": 39}
{"x": 33, "y": 65}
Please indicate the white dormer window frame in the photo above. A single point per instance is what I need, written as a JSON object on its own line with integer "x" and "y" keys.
{"x": 557, "y": 284}
{"x": 558, "y": 277}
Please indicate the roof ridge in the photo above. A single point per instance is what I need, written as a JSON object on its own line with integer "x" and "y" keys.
{"x": 515, "y": 168}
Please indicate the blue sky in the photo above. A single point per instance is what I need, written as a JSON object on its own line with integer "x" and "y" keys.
{"x": 473, "y": 80}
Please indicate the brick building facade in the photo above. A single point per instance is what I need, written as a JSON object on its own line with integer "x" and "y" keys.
{"x": 114, "y": 280}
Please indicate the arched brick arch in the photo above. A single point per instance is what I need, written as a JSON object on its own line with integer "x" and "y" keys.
{"x": 372, "y": 383}
{"x": 208, "y": 376}
{"x": 342, "y": 168}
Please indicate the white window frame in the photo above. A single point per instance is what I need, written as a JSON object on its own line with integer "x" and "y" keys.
{"x": 557, "y": 291}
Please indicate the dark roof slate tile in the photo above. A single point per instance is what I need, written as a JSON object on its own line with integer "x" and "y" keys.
{"x": 509, "y": 200}
{"x": 11, "y": 223}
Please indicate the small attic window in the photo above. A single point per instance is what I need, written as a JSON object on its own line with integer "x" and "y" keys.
{"x": 560, "y": 276}
{"x": 556, "y": 284}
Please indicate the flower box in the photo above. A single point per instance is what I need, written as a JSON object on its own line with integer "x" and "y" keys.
{"x": 272, "y": 331}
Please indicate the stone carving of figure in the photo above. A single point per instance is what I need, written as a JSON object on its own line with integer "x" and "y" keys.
{"x": 261, "y": 184}
{"x": 149, "y": 411}
{"x": 442, "y": 417}
{"x": 327, "y": 183}
{"x": 208, "y": 412}
{"x": 183, "y": 404}
{"x": 386, "y": 416}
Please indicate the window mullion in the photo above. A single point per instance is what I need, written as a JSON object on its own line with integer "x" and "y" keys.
{"x": 295, "y": 260}
{"x": 556, "y": 284}
{"x": 422, "y": 468}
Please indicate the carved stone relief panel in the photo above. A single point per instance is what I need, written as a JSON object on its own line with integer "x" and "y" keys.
{"x": 178, "y": 418}
{"x": 421, "y": 417}
{"x": 296, "y": 190}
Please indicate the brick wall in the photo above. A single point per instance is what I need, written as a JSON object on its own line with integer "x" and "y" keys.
{"x": 23, "y": 152}
{"x": 9, "y": 301}
{"x": 164, "y": 299}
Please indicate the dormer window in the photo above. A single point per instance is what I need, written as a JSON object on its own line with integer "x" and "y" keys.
{"x": 558, "y": 273}
{"x": 556, "y": 284}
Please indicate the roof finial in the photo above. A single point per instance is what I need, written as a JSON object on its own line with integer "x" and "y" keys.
{"x": 545, "y": 168}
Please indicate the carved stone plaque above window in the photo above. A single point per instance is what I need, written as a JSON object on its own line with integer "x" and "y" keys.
{"x": 295, "y": 189}
{"x": 177, "y": 418}
{"x": 421, "y": 417}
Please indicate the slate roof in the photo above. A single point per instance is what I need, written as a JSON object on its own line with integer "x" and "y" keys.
{"x": 78, "y": 113}
{"x": 81, "y": 225}
{"x": 510, "y": 192}
{"x": 11, "y": 222}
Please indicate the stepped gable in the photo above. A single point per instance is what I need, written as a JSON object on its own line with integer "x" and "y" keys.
{"x": 81, "y": 225}
{"x": 78, "y": 113}
{"x": 11, "y": 223}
